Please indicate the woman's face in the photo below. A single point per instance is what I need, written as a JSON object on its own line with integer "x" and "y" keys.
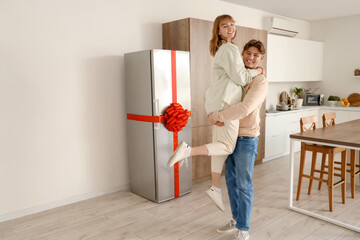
{"x": 227, "y": 30}
{"x": 252, "y": 57}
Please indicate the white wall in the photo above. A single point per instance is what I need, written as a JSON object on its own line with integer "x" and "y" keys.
{"x": 341, "y": 39}
{"x": 62, "y": 110}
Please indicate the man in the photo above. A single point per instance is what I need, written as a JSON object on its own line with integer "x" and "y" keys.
{"x": 239, "y": 166}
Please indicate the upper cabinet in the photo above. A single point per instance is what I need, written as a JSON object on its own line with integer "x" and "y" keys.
{"x": 294, "y": 60}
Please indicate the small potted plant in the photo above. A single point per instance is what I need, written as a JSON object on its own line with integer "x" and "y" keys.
{"x": 299, "y": 100}
{"x": 298, "y": 92}
{"x": 333, "y": 100}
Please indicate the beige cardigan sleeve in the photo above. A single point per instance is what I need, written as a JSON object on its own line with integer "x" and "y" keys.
{"x": 255, "y": 95}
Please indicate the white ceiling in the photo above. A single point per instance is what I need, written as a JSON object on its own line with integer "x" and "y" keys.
{"x": 309, "y": 10}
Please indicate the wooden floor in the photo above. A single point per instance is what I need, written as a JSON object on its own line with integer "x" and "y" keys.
{"x": 126, "y": 216}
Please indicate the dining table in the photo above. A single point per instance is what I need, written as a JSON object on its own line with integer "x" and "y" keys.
{"x": 345, "y": 135}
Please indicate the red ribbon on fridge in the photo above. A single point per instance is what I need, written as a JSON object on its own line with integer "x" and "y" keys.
{"x": 175, "y": 134}
{"x": 142, "y": 118}
{"x": 175, "y": 119}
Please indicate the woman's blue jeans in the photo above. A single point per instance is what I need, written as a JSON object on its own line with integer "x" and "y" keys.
{"x": 239, "y": 169}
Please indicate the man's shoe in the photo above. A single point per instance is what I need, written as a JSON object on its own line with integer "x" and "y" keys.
{"x": 216, "y": 197}
{"x": 179, "y": 154}
{"x": 242, "y": 235}
{"x": 229, "y": 227}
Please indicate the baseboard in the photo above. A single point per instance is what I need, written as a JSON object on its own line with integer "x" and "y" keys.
{"x": 63, "y": 202}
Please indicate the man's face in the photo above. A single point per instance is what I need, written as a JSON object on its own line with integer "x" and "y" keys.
{"x": 252, "y": 57}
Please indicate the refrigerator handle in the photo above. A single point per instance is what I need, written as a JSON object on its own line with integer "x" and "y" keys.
{"x": 156, "y": 107}
{"x": 156, "y": 113}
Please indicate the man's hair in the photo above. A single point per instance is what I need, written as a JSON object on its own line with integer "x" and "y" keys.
{"x": 255, "y": 43}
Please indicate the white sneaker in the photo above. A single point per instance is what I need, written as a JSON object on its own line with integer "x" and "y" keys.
{"x": 179, "y": 154}
{"x": 242, "y": 235}
{"x": 229, "y": 227}
{"x": 216, "y": 197}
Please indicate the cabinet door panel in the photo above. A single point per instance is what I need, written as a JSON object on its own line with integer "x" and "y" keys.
{"x": 294, "y": 60}
{"x": 355, "y": 115}
{"x": 276, "y": 57}
{"x": 277, "y": 146}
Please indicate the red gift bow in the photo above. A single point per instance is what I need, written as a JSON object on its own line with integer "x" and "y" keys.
{"x": 176, "y": 117}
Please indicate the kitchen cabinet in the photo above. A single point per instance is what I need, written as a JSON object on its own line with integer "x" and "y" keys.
{"x": 193, "y": 35}
{"x": 280, "y": 125}
{"x": 341, "y": 116}
{"x": 278, "y": 129}
{"x": 294, "y": 60}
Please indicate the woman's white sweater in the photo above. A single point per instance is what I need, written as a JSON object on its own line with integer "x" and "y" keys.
{"x": 229, "y": 76}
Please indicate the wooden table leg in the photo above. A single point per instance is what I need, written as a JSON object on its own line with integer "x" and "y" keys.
{"x": 331, "y": 179}
{"x": 343, "y": 175}
{"x": 352, "y": 172}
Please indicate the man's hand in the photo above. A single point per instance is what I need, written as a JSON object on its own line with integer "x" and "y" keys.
{"x": 212, "y": 120}
{"x": 261, "y": 70}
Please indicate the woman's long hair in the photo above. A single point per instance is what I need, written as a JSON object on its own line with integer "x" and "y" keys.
{"x": 216, "y": 41}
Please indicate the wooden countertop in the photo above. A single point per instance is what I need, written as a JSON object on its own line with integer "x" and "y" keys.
{"x": 346, "y": 134}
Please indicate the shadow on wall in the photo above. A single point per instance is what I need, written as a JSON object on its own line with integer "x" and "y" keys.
{"x": 105, "y": 122}
{"x": 152, "y": 36}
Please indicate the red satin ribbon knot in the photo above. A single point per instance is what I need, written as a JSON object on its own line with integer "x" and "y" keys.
{"x": 176, "y": 117}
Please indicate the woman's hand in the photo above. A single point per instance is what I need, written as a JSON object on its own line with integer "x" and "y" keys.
{"x": 219, "y": 124}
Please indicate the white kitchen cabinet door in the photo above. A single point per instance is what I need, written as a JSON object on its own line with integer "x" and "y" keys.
{"x": 277, "y": 55}
{"x": 355, "y": 115}
{"x": 294, "y": 60}
{"x": 306, "y": 60}
{"x": 276, "y": 146}
{"x": 341, "y": 116}
{"x": 278, "y": 130}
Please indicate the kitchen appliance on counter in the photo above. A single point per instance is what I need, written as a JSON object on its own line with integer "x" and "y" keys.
{"x": 284, "y": 98}
{"x": 157, "y": 80}
{"x": 313, "y": 99}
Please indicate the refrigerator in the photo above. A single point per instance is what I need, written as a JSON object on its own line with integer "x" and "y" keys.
{"x": 155, "y": 79}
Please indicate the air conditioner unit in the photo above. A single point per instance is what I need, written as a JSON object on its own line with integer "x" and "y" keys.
{"x": 282, "y": 27}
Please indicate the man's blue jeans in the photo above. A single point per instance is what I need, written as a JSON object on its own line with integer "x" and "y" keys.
{"x": 239, "y": 169}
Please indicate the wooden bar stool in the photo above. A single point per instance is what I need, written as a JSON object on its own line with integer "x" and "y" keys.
{"x": 328, "y": 119}
{"x": 330, "y": 151}
{"x": 353, "y": 172}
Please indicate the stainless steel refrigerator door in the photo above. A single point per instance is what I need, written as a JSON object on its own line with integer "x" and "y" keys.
{"x": 141, "y": 158}
{"x": 185, "y": 172}
{"x": 138, "y": 76}
{"x": 140, "y": 135}
{"x": 164, "y": 141}
{"x": 183, "y": 79}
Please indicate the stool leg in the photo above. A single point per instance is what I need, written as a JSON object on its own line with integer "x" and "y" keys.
{"x": 323, "y": 161}
{"x": 352, "y": 172}
{"x": 301, "y": 169}
{"x": 331, "y": 179}
{"x": 343, "y": 175}
{"x": 313, "y": 166}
